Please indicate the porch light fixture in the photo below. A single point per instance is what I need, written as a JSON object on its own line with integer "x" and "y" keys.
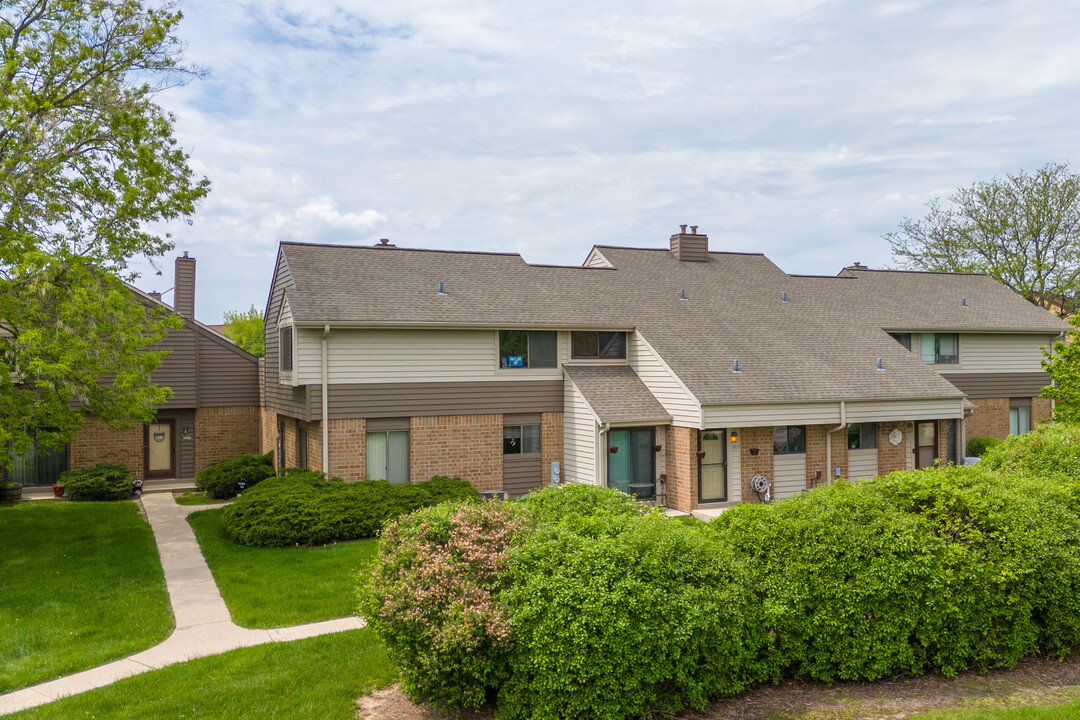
{"x": 734, "y": 436}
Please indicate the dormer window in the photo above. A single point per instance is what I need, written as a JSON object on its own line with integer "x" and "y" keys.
{"x": 598, "y": 345}
{"x": 285, "y": 349}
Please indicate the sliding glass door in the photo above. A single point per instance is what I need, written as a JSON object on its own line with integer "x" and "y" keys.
{"x": 631, "y": 461}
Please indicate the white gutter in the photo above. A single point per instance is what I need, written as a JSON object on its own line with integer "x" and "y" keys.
{"x": 828, "y": 440}
{"x": 325, "y": 408}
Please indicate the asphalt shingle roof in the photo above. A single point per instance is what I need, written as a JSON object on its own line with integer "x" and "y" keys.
{"x": 615, "y": 393}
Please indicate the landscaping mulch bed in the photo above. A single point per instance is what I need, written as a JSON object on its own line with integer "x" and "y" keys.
{"x": 1038, "y": 681}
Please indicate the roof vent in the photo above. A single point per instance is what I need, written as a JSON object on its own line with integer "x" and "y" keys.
{"x": 735, "y": 366}
{"x": 783, "y": 296}
{"x": 385, "y": 243}
{"x": 880, "y": 365}
{"x": 682, "y": 295}
{"x": 963, "y": 302}
{"x": 690, "y": 246}
{"x": 441, "y": 290}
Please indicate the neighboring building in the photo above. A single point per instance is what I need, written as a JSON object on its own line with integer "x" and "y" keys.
{"x": 677, "y": 372}
{"x": 213, "y": 412}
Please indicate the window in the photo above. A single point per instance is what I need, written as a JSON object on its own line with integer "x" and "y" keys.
{"x": 599, "y": 345}
{"x": 280, "y": 443}
{"x": 940, "y": 348}
{"x": 862, "y": 436}
{"x": 789, "y": 439}
{"x": 631, "y": 461}
{"x": 285, "y": 362}
{"x": 902, "y": 338}
{"x": 301, "y": 444}
{"x": 1019, "y": 416}
{"x": 528, "y": 349}
{"x": 518, "y": 439}
{"x": 388, "y": 456}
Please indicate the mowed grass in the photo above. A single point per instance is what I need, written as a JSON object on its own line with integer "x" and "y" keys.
{"x": 80, "y": 584}
{"x": 314, "y": 679}
{"x": 195, "y": 498}
{"x": 273, "y": 587}
{"x": 1065, "y": 711}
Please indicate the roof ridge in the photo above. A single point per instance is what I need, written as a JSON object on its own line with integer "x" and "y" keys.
{"x": 917, "y": 272}
{"x": 667, "y": 250}
{"x": 404, "y": 249}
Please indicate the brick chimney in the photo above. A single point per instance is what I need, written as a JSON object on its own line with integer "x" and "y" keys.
{"x": 689, "y": 246}
{"x": 155, "y": 294}
{"x": 184, "y": 287}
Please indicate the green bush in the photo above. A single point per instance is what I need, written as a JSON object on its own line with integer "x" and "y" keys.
{"x": 1051, "y": 448}
{"x": 304, "y": 508}
{"x": 100, "y": 482}
{"x": 619, "y": 615}
{"x": 221, "y": 479}
{"x": 553, "y": 504}
{"x": 977, "y": 446}
{"x": 849, "y": 585}
{"x": 432, "y": 598}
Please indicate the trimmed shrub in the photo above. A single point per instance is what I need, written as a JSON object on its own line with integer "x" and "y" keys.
{"x": 977, "y": 446}
{"x": 1049, "y": 449}
{"x": 220, "y": 479}
{"x": 432, "y": 598}
{"x": 100, "y": 482}
{"x": 849, "y": 586}
{"x": 619, "y": 615}
{"x": 304, "y": 508}
{"x": 556, "y": 503}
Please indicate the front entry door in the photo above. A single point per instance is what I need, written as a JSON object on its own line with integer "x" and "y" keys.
{"x": 925, "y": 444}
{"x": 713, "y": 467}
{"x": 160, "y": 449}
{"x": 630, "y": 461}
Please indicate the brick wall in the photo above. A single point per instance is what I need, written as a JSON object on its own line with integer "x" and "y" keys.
{"x": 817, "y": 454}
{"x": 680, "y": 449}
{"x": 292, "y": 457}
{"x": 96, "y": 442}
{"x": 267, "y": 431}
{"x": 314, "y": 446}
{"x": 348, "y": 446}
{"x": 891, "y": 457}
{"x": 991, "y": 418}
{"x": 223, "y": 432}
{"x": 1041, "y": 410}
{"x": 468, "y": 447}
{"x": 759, "y": 439}
{"x": 551, "y": 444}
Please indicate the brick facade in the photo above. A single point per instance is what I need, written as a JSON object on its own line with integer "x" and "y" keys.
{"x": 891, "y": 457}
{"x": 468, "y": 447}
{"x": 96, "y": 442}
{"x": 756, "y": 458}
{"x": 348, "y": 448}
{"x": 990, "y": 418}
{"x": 223, "y": 432}
{"x": 681, "y": 463}
{"x": 551, "y": 444}
{"x": 1042, "y": 409}
{"x": 267, "y": 431}
{"x": 314, "y": 446}
{"x": 817, "y": 454}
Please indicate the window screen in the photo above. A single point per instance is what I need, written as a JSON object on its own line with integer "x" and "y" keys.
{"x": 940, "y": 348}
{"x": 528, "y": 348}
{"x": 519, "y": 439}
{"x": 862, "y": 436}
{"x": 285, "y": 347}
{"x": 606, "y": 345}
{"x": 789, "y": 439}
{"x": 388, "y": 456}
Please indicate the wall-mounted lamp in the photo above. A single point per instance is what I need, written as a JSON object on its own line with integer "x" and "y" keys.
{"x": 734, "y": 437}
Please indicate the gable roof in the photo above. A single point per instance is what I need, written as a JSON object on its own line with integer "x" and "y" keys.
{"x": 616, "y": 394}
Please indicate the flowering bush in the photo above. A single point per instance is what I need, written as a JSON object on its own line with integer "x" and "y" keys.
{"x": 432, "y": 596}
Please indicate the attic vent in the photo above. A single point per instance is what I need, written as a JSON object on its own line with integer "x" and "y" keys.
{"x": 880, "y": 365}
{"x": 441, "y": 290}
{"x": 783, "y": 296}
{"x": 963, "y": 302}
{"x": 385, "y": 243}
{"x": 735, "y": 366}
{"x": 682, "y": 295}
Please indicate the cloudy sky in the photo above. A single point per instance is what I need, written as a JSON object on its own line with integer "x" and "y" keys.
{"x": 803, "y": 129}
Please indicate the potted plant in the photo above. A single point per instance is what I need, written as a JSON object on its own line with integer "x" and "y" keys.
{"x": 58, "y": 489}
{"x": 10, "y": 492}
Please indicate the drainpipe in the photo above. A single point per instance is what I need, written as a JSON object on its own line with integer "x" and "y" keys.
{"x": 828, "y": 439}
{"x": 325, "y": 409}
{"x": 601, "y": 466}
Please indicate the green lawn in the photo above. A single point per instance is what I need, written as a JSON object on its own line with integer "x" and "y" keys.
{"x": 1066, "y": 711}
{"x": 317, "y": 679}
{"x": 269, "y": 587}
{"x": 80, "y": 584}
{"x": 195, "y": 498}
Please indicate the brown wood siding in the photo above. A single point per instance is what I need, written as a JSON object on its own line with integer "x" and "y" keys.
{"x": 378, "y": 400}
{"x": 227, "y": 378}
{"x": 178, "y": 371}
{"x": 997, "y": 385}
{"x": 522, "y": 473}
{"x": 284, "y": 399}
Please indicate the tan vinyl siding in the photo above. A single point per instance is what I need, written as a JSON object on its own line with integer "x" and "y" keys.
{"x": 579, "y": 438}
{"x": 993, "y": 352}
{"x": 734, "y": 469}
{"x": 886, "y": 410}
{"x": 596, "y": 259}
{"x": 909, "y": 444}
{"x": 862, "y": 464}
{"x": 284, "y": 399}
{"x": 790, "y": 474}
{"x": 521, "y": 473}
{"x": 433, "y": 399}
{"x": 286, "y": 312}
{"x": 663, "y": 383}
{"x": 821, "y": 413}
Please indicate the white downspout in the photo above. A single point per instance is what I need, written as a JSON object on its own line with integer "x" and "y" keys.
{"x": 601, "y": 462}
{"x": 828, "y": 440}
{"x": 325, "y": 408}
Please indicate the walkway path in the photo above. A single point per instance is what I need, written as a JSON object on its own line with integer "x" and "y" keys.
{"x": 203, "y": 625}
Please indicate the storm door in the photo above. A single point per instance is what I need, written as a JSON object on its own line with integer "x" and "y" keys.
{"x": 631, "y": 461}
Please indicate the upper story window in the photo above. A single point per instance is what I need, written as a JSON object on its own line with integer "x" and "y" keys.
{"x": 940, "y": 348}
{"x": 528, "y": 349}
{"x": 902, "y": 338}
{"x": 789, "y": 439}
{"x": 518, "y": 439}
{"x": 862, "y": 436}
{"x": 586, "y": 344}
{"x": 285, "y": 349}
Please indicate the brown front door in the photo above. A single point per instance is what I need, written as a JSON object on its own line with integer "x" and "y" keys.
{"x": 159, "y": 452}
{"x": 925, "y": 444}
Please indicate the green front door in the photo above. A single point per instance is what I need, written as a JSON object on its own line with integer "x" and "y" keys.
{"x": 631, "y": 466}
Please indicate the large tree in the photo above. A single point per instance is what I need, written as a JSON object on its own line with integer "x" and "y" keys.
{"x": 1062, "y": 364}
{"x": 1023, "y": 230}
{"x": 246, "y": 330}
{"x": 89, "y": 168}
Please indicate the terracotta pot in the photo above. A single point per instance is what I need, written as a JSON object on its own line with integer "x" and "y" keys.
{"x": 700, "y": 454}
{"x": 58, "y": 490}
{"x": 612, "y": 449}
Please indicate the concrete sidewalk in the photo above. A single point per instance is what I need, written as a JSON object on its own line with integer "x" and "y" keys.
{"x": 203, "y": 624}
